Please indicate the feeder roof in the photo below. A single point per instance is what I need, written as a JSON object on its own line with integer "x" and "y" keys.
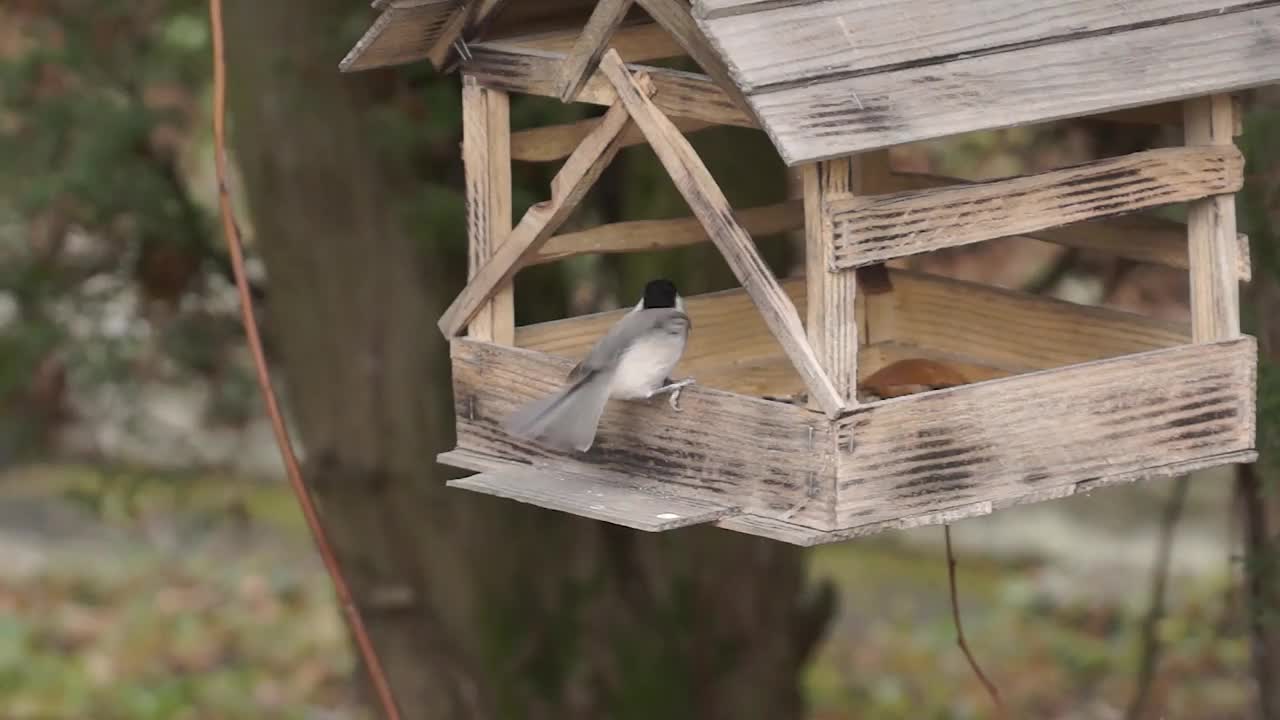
{"x": 826, "y": 78}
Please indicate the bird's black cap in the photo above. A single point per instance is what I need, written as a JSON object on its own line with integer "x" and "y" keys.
{"x": 660, "y": 293}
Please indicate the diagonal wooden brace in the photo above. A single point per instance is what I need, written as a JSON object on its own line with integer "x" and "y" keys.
{"x": 711, "y": 208}
{"x": 592, "y": 42}
{"x": 579, "y": 172}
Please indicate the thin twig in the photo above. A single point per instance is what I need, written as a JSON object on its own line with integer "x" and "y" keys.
{"x": 964, "y": 646}
{"x": 231, "y": 230}
{"x": 1150, "y": 657}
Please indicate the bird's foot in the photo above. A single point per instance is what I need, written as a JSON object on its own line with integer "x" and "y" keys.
{"x": 674, "y": 389}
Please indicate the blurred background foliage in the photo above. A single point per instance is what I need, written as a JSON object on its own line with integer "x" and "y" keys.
{"x": 156, "y": 568}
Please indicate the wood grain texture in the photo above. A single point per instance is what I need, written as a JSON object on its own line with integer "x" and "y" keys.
{"x": 634, "y": 41}
{"x": 791, "y": 43}
{"x": 821, "y": 120}
{"x": 555, "y": 142}
{"x": 585, "y": 55}
{"x": 403, "y": 33}
{"x": 1006, "y": 328}
{"x": 709, "y": 205}
{"x": 806, "y": 537}
{"x": 630, "y": 502}
{"x": 767, "y": 458}
{"x": 1139, "y": 237}
{"x": 878, "y": 228}
{"x": 985, "y": 442}
{"x": 647, "y": 235}
{"x": 831, "y": 319}
{"x": 532, "y": 72}
{"x": 487, "y": 169}
{"x": 1211, "y": 230}
{"x": 570, "y": 184}
{"x": 674, "y": 17}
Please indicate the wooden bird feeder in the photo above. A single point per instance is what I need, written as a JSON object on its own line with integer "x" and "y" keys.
{"x": 987, "y": 397}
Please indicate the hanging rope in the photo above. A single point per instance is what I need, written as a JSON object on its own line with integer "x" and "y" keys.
{"x": 231, "y": 230}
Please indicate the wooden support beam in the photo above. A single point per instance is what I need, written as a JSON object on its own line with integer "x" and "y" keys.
{"x": 1002, "y": 439}
{"x": 1138, "y": 237}
{"x": 647, "y": 235}
{"x": 486, "y": 161}
{"x": 568, "y": 187}
{"x": 1211, "y": 230}
{"x": 532, "y": 72}
{"x": 709, "y": 205}
{"x": 674, "y": 16}
{"x": 874, "y": 229}
{"x": 831, "y": 319}
{"x": 1007, "y": 328}
{"x": 591, "y": 44}
{"x": 555, "y": 142}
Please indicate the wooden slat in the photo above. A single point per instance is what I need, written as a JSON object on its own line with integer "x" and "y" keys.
{"x": 878, "y": 228}
{"x": 1139, "y": 237}
{"x": 403, "y": 33}
{"x": 709, "y": 205}
{"x": 608, "y": 499}
{"x": 768, "y": 458}
{"x": 555, "y": 142}
{"x": 1004, "y": 438}
{"x": 831, "y": 321}
{"x": 821, "y": 120}
{"x": 487, "y": 164}
{"x": 646, "y": 235}
{"x": 532, "y": 72}
{"x": 1211, "y": 231}
{"x": 635, "y": 42}
{"x": 808, "y": 42}
{"x": 808, "y": 537}
{"x": 585, "y": 55}
{"x": 568, "y": 187}
{"x": 673, "y": 15}
{"x": 1005, "y": 328}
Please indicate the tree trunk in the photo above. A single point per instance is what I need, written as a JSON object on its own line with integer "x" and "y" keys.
{"x": 480, "y": 608}
{"x": 1257, "y": 486}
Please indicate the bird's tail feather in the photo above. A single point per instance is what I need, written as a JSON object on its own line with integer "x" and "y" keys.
{"x": 565, "y": 419}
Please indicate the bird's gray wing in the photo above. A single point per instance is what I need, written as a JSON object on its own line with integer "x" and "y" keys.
{"x": 604, "y": 355}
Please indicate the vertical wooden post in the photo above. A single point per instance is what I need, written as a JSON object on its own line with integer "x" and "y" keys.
{"x": 832, "y": 321}
{"x": 1211, "y": 230}
{"x": 486, "y": 159}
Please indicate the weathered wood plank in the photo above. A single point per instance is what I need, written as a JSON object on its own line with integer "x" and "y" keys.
{"x": 1211, "y": 231}
{"x": 709, "y": 205}
{"x": 821, "y": 120}
{"x": 487, "y": 167}
{"x": 634, "y": 41}
{"x": 403, "y": 33}
{"x": 576, "y": 176}
{"x": 878, "y": 228}
{"x": 585, "y": 55}
{"x": 768, "y": 458}
{"x": 611, "y": 500}
{"x": 1138, "y": 237}
{"x": 1004, "y": 438}
{"x": 646, "y": 235}
{"x": 807, "y": 537}
{"x": 813, "y": 41}
{"x": 532, "y": 72}
{"x": 555, "y": 142}
{"x": 673, "y": 15}
{"x": 831, "y": 320}
{"x": 1005, "y": 328}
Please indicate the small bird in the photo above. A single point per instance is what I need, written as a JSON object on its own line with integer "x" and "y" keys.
{"x": 632, "y": 361}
